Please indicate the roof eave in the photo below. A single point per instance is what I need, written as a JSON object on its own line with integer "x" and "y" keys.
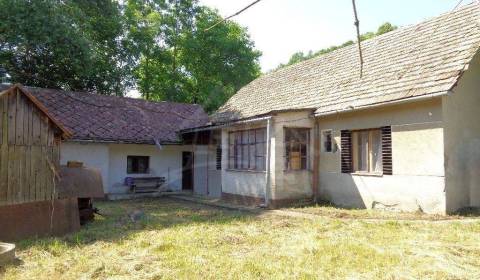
{"x": 255, "y": 118}
{"x": 122, "y": 141}
{"x": 381, "y": 104}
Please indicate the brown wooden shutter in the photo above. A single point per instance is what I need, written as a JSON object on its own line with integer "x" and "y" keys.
{"x": 387, "y": 150}
{"x": 346, "y": 153}
{"x": 219, "y": 158}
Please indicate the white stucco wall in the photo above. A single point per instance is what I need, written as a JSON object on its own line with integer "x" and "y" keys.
{"x": 166, "y": 162}
{"x": 111, "y": 159}
{"x": 91, "y": 154}
{"x": 462, "y": 140}
{"x": 418, "y": 180}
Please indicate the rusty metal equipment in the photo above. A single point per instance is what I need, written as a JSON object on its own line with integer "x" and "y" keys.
{"x": 85, "y": 184}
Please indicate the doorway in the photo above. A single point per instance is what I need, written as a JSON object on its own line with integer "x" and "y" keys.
{"x": 187, "y": 171}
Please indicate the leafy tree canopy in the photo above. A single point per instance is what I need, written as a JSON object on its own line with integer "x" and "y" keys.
{"x": 189, "y": 64}
{"x": 159, "y": 46}
{"x": 63, "y": 44}
{"x": 301, "y": 56}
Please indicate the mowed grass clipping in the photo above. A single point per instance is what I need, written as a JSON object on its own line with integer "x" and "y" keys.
{"x": 180, "y": 240}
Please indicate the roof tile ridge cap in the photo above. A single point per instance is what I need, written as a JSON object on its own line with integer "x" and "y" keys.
{"x": 69, "y": 92}
{"x": 378, "y": 37}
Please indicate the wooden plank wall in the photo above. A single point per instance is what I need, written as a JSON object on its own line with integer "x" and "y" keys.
{"x": 28, "y": 151}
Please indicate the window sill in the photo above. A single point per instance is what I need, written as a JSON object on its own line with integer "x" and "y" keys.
{"x": 245, "y": 171}
{"x": 367, "y": 174}
{"x": 297, "y": 171}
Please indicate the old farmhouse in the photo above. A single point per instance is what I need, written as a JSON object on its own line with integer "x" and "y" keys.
{"x": 403, "y": 134}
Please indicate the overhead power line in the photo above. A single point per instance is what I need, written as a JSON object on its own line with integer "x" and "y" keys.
{"x": 357, "y": 25}
{"x": 234, "y": 15}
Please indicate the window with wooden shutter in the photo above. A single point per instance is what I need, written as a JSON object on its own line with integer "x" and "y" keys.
{"x": 387, "y": 150}
{"x": 346, "y": 153}
{"x": 367, "y": 151}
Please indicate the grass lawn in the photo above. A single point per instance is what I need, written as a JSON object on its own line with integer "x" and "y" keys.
{"x": 328, "y": 210}
{"x": 182, "y": 240}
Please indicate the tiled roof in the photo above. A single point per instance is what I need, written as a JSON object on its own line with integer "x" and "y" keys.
{"x": 423, "y": 59}
{"x": 110, "y": 118}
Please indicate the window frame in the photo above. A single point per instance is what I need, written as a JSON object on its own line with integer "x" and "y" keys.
{"x": 354, "y": 154}
{"x": 132, "y": 157}
{"x": 242, "y": 147}
{"x": 289, "y": 144}
{"x": 323, "y": 139}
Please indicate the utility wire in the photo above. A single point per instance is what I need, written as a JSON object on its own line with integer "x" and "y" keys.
{"x": 234, "y": 15}
{"x": 357, "y": 25}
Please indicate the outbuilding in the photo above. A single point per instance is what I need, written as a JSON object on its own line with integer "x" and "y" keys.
{"x": 30, "y": 140}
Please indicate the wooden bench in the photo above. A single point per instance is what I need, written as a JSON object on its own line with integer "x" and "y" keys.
{"x": 144, "y": 184}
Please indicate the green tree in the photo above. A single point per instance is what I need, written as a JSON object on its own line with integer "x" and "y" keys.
{"x": 186, "y": 63}
{"x": 217, "y": 62}
{"x": 300, "y": 56}
{"x": 63, "y": 44}
{"x": 160, "y": 46}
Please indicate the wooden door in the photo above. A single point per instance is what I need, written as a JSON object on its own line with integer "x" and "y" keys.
{"x": 187, "y": 170}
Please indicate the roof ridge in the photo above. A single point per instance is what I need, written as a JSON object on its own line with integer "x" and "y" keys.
{"x": 414, "y": 60}
{"x": 68, "y": 92}
{"x": 378, "y": 37}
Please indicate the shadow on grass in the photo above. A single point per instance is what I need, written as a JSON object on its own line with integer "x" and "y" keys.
{"x": 122, "y": 219}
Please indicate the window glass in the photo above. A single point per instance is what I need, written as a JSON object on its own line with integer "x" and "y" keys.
{"x": 137, "y": 164}
{"x": 376, "y": 138}
{"x": 327, "y": 141}
{"x": 367, "y": 151}
{"x": 296, "y": 148}
{"x": 260, "y": 135}
{"x": 363, "y": 151}
{"x": 245, "y": 157}
{"x": 238, "y": 155}
{"x": 247, "y": 152}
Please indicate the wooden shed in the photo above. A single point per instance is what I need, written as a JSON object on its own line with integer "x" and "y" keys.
{"x": 30, "y": 141}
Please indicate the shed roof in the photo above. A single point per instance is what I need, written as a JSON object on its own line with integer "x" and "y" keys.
{"x": 4, "y": 90}
{"x": 102, "y": 118}
{"x": 419, "y": 60}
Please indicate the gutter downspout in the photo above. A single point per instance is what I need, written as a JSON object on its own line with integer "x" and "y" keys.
{"x": 267, "y": 166}
{"x": 316, "y": 161}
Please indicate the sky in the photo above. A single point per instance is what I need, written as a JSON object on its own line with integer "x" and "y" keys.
{"x": 280, "y": 28}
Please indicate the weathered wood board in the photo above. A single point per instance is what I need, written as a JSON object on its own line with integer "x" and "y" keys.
{"x": 29, "y": 151}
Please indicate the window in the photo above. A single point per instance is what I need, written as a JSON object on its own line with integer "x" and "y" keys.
{"x": 296, "y": 148}
{"x": 137, "y": 164}
{"x": 247, "y": 149}
{"x": 327, "y": 141}
{"x": 367, "y": 151}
